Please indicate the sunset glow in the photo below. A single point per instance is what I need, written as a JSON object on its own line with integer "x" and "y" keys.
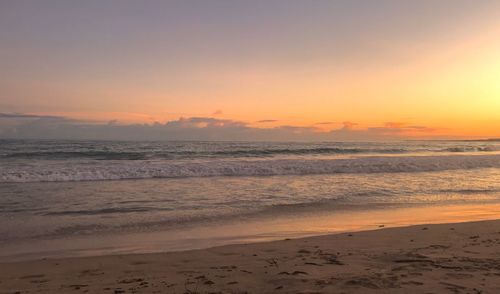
{"x": 300, "y": 64}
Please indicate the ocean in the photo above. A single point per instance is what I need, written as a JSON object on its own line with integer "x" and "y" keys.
{"x": 67, "y": 198}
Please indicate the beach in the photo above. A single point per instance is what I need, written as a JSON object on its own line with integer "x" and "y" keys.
{"x": 285, "y": 146}
{"x": 437, "y": 258}
{"x": 243, "y": 217}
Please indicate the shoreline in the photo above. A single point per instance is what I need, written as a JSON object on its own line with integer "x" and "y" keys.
{"x": 435, "y": 258}
{"x": 244, "y": 230}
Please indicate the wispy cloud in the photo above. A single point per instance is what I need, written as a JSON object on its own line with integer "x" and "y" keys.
{"x": 402, "y": 129}
{"x": 217, "y": 112}
{"x": 325, "y": 123}
{"x": 263, "y": 121}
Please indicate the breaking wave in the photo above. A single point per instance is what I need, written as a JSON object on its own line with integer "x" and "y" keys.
{"x": 116, "y": 170}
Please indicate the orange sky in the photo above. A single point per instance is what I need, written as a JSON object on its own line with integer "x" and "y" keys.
{"x": 435, "y": 65}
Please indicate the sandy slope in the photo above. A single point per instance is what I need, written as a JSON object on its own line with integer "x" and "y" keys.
{"x": 449, "y": 258}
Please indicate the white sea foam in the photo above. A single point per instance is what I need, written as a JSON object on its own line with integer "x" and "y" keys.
{"x": 115, "y": 170}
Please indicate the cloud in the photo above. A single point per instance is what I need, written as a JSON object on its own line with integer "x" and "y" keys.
{"x": 196, "y": 128}
{"x": 217, "y": 112}
{"x": 422, "y": 128}
{"x": 348, "y": 125}
{"x": 391, "y": 128}
{"x": 394, "y": 125}
{"x": 31, "y": 116}
{"x": 12, "y": 123}
{"x": 204, "y": 122}
{"x": 267, "y": 121}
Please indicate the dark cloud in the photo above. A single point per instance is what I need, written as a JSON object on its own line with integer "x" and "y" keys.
{"x": 193, "y": 128}
{"x": 32, "y": 116}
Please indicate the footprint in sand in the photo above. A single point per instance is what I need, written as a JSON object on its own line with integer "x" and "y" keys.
{"x": 32, "y": 276}
{"x": 459, "y": 275}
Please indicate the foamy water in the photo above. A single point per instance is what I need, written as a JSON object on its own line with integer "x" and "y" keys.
{"x": 44, "y": 161}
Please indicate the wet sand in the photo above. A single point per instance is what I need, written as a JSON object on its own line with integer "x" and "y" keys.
{"x": 443, "y": 258}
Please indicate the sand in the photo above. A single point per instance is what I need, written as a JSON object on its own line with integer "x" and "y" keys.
{"x": 443, "y": 258}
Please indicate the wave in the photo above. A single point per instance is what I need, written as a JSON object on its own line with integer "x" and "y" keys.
{"x": 309, "y": 151}
{"x": 120, "y": 155}
{"x": 174, "y": 169}
{"x": 257, "y": 152}
{"x": 471, "y": 149}
{"x": 98, "y": 155}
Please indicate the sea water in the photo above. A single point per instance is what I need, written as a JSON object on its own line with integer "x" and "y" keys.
{"x": 184, "y": 195}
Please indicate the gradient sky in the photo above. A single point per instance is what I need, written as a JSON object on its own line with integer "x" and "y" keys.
{"x": 396, "y": 68}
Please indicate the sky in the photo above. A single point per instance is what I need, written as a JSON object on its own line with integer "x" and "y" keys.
{"x": 250, "y": 70}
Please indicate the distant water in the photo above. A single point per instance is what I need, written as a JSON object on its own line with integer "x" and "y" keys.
{"x": 59, "y": 189}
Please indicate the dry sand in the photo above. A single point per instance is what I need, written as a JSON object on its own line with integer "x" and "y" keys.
{"x": 446, "y": 258}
